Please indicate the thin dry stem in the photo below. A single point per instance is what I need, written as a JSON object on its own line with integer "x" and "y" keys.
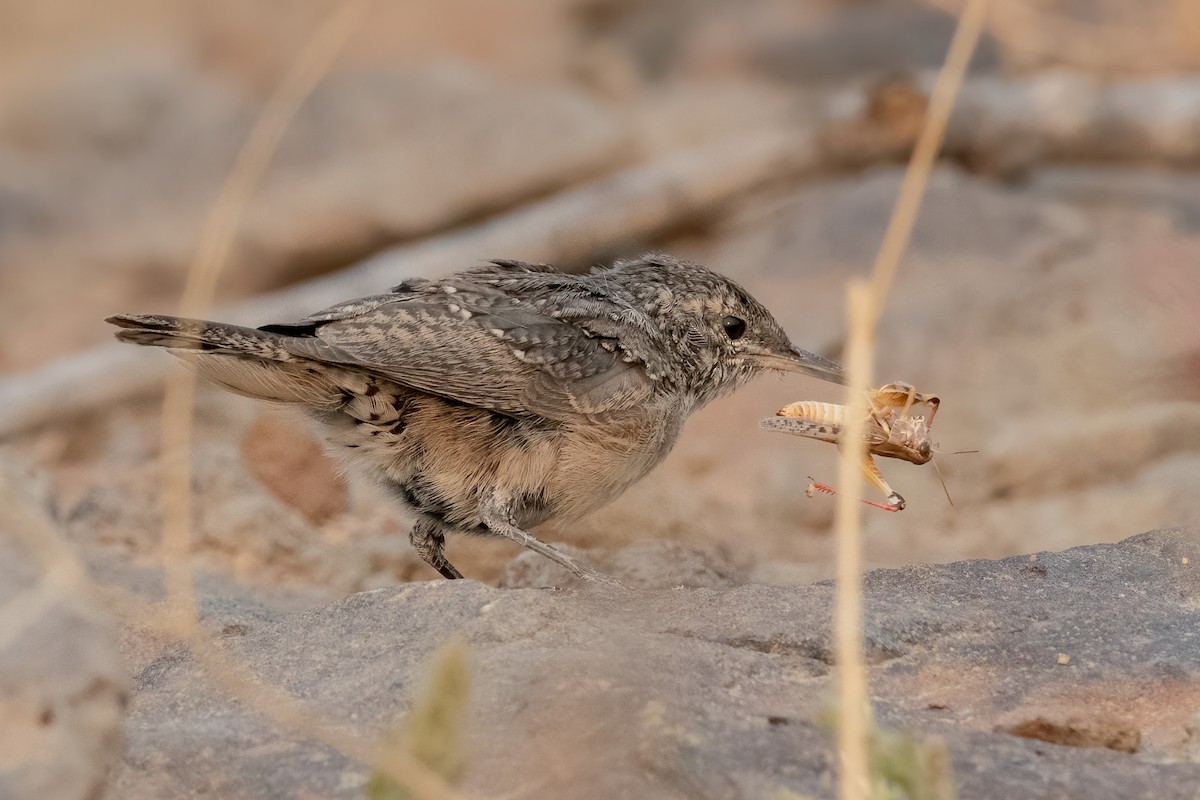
{"x": 216, "y": 241}
{"x": 916, "y": 177}
{"x": 218, "y": 235}
{"x": 865, "y": 304}
{"x": 848, "y": 622}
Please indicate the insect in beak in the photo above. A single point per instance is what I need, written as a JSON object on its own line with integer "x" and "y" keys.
{"x": 892, "y": 431}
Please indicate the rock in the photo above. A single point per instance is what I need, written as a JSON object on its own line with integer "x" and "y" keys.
{"x": 378, "y": 157}
{"x": 1090, "y": 451}
{"x": 62, "y": 684}
{"x": 294, "y": 466}
{"x": 1154, "y": 37}
{"x": 810, "y": 43}
{"x": 122, "y": 154}
{"x": 650, "y": 564}
{"x": 716, "y": 693}
{"x": 225, "y": 607}
{"x": 806, "y": 42}
{"x": 253, "y": 534}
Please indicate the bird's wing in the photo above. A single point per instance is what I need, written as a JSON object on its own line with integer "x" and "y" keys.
{"x": 478, "y": 346}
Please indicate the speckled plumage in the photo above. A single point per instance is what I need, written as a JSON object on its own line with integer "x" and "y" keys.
{"x": 502, "y": 396}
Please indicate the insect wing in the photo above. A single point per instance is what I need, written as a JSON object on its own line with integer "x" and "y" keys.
{"x": 802, "y": 427}
{"x": 821, "y": 431}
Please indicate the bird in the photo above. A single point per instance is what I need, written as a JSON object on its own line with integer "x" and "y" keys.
{"x": 504, "y": 395}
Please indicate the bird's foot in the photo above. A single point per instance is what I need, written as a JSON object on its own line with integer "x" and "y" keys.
{"x": 497, "y": 518}
{"x": 430, "y": 544}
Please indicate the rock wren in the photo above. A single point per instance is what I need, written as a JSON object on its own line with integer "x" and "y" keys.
{"x": 502, "y": 396}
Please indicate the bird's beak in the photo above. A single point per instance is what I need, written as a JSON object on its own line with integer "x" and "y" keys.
{"x": 797, "y": 360}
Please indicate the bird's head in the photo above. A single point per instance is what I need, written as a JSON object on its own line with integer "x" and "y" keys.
{"x": 721, "y": 336}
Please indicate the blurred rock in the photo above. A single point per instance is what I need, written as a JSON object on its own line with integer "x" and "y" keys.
{"x": 379, "y": 157}
{"x": 1101, "y": 36}
{"x": 1117, "y": 188}
{"x": 62, "y": 684}
{"x": 124, "y": 152}
{"x": 801, "y": 42}
{"x": 822, "y": 42}
{"x": 238, "y": 526}
{"x": 1002, "y": 126}
{"x": 1062, "y": 675}
{"x": 294, "y": 466}
{"x": 123, "y": 103}
{"x": 1047, "y": 455}
{"x": 880, "y": 125}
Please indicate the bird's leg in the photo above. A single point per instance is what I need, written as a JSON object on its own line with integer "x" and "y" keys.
{"x": 430, "y": 543}
{"x": 496, "y": 513}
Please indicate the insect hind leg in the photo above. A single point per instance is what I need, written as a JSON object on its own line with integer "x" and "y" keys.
{"x": 874, "y": 477}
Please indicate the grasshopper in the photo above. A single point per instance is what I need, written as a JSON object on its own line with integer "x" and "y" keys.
{"x": 892, "y": 432}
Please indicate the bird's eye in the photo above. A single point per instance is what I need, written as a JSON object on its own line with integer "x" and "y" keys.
{"x": 734, "y": 327}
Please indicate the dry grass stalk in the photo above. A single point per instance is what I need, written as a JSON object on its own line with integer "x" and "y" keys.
{"x": 215, "y": 242}
{"x": 848, "y": 622}
{"x": 865, "y": 304}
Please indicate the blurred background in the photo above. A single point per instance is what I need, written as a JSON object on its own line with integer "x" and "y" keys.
{"x": 1051, "y": 294}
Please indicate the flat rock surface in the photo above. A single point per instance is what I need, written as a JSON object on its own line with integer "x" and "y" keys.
{"x": 1060, "y": 675}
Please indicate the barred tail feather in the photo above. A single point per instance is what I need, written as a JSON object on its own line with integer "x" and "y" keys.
{"x": 246, "y": 361}
{"x": 178, "y": 333}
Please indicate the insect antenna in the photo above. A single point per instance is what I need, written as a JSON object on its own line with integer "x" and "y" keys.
{"x": 945, "y": 488}
{"x": 955, "y": 452}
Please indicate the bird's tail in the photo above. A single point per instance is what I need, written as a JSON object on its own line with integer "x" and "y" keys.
{"x": 247, "y": 361}
{"x": 214, "y": 338}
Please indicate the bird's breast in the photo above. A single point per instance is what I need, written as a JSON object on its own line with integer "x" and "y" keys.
{"x": 443, "y": 459}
